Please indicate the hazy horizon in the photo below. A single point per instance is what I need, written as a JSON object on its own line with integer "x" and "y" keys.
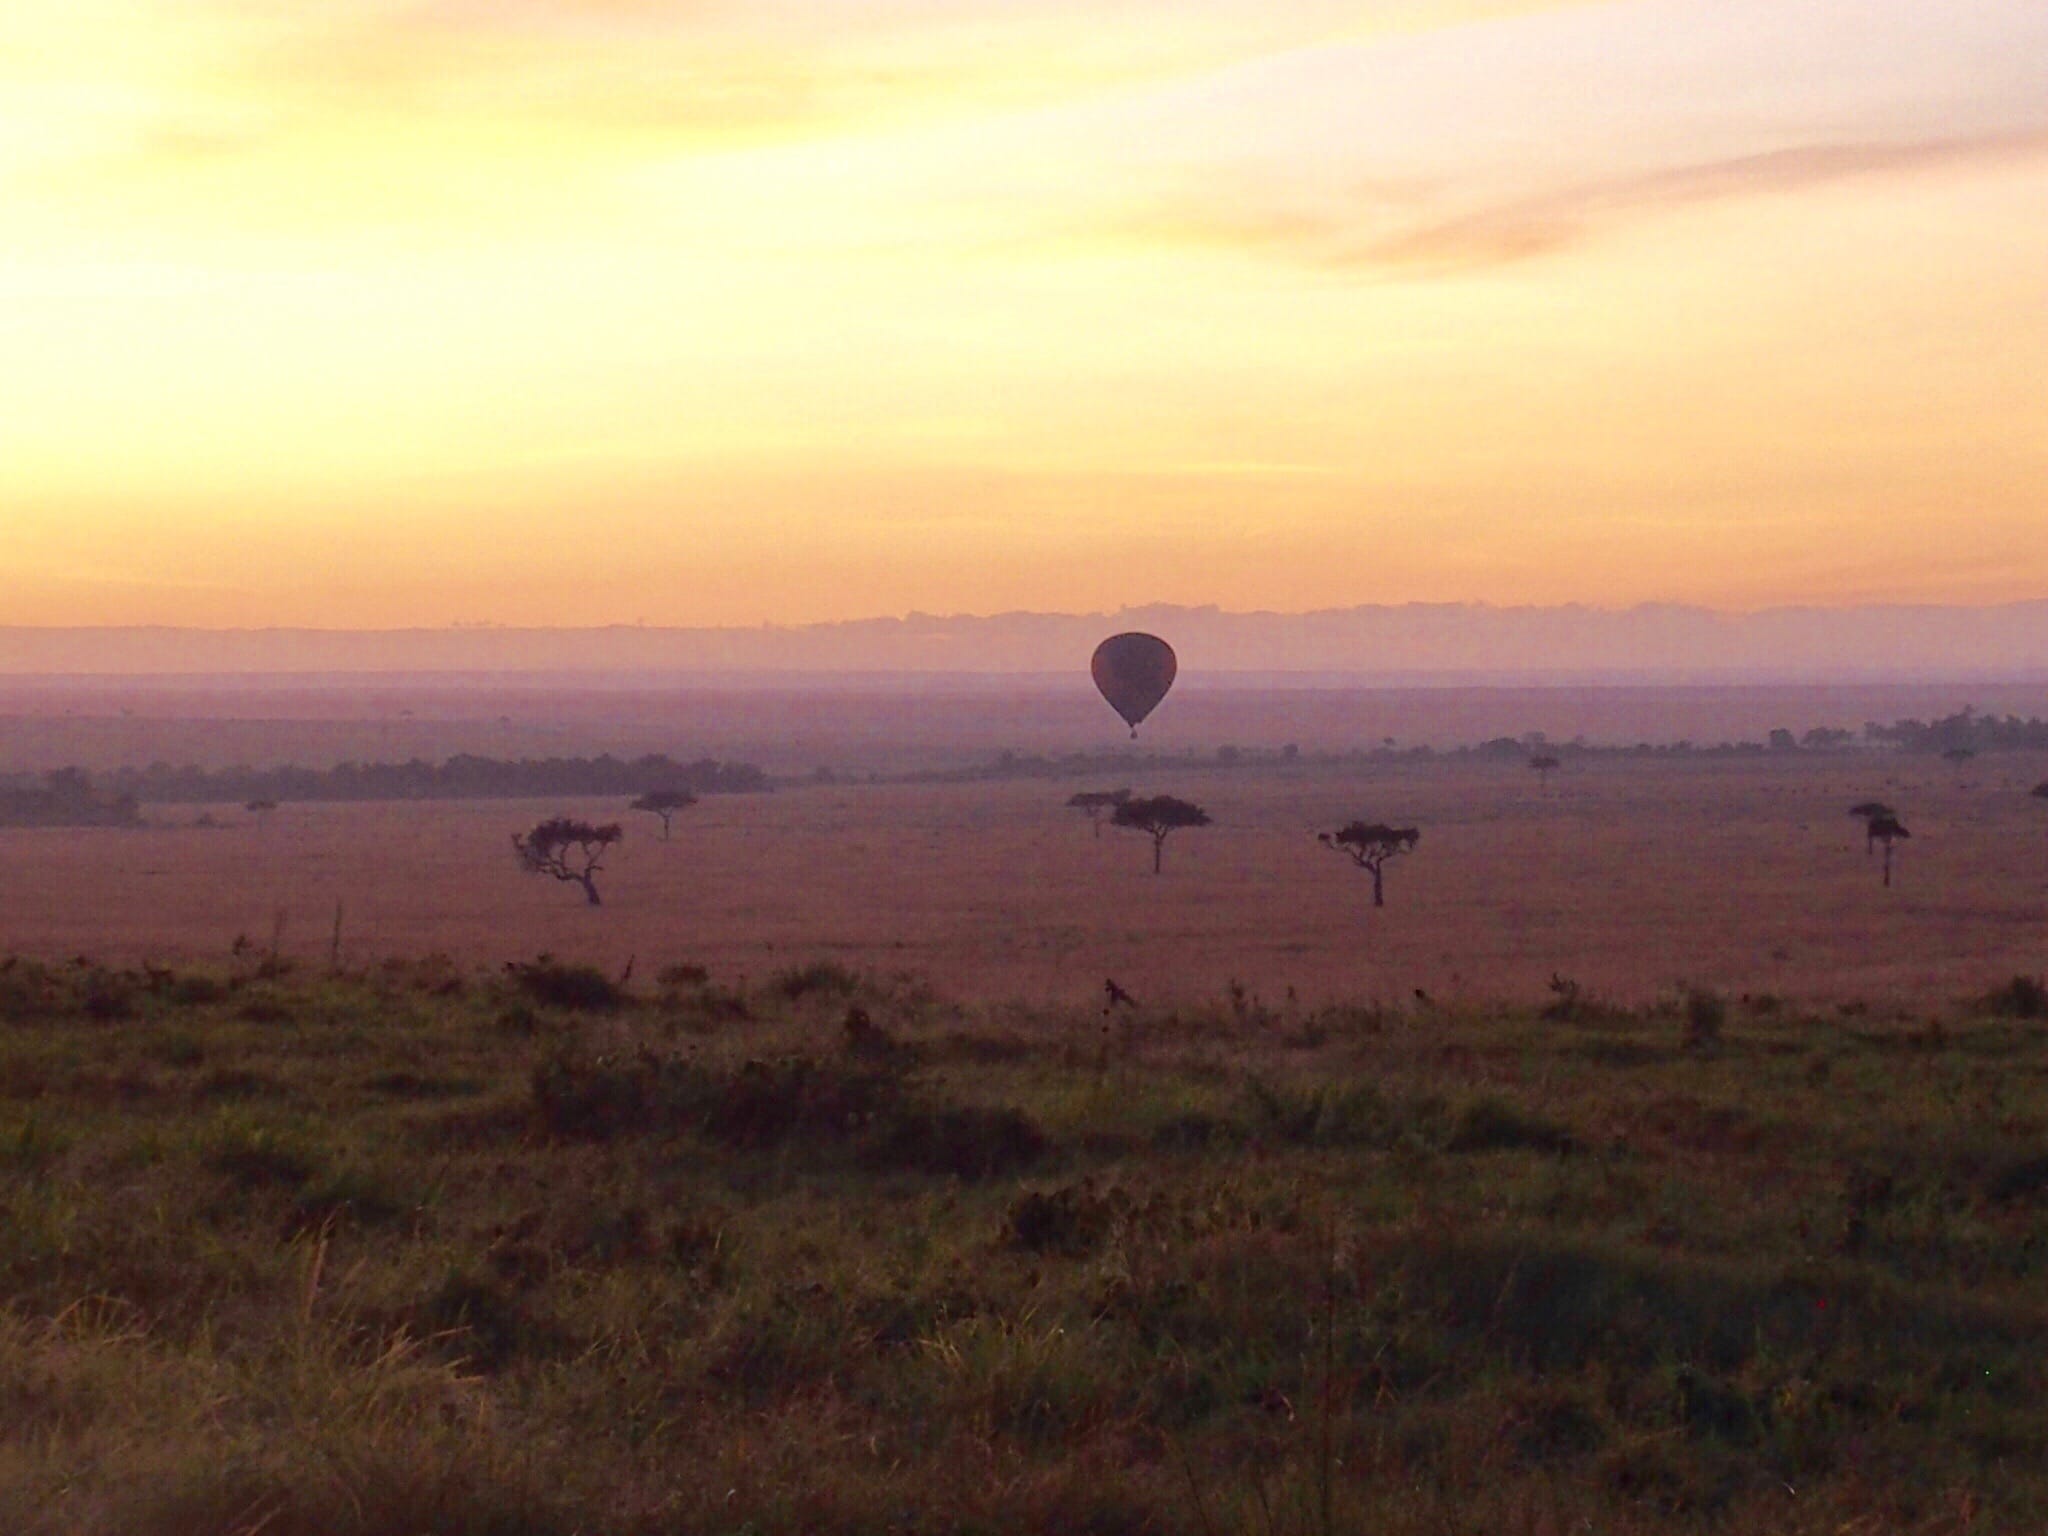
{"x": 1450, "y": 644}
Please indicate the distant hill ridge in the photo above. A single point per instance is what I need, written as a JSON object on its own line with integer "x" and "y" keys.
{"x": 1413, "y": 640}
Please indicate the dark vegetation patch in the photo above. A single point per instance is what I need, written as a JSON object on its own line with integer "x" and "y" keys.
{"x": 2024, "y": 997}
{"x": 1492, "y": 1124}
{"x": 415, "y": 1085}
{"x": 228, "y": 1083}
{"x": 363, "y": 1486}
{"x": 559, "y": 984}
{"x": 819, "y": 978}
{"x": 448, "y": 1254}
{"x": 878, "y": 1116}
{"x": 256, "y": 1155}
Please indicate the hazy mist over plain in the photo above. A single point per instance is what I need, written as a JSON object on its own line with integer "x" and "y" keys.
{"x": 1411, "y": 643}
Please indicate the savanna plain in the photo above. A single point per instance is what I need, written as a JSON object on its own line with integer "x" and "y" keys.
{"x": 1644, "y": 1164}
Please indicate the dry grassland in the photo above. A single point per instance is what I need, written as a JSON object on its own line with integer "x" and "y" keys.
{"x": 1631, "y": 876}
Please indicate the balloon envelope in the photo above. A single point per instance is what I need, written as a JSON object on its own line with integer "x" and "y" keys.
{"x": 1133, "y": 671}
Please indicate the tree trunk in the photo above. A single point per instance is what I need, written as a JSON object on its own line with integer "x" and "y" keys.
{"x": 1887, "y": 863}
{"x": 1158, "y": 846}
{"x": 590, "y": 889}
{"x": 1379, "y": 892}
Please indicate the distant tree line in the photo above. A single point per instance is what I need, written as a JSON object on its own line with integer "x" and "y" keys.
{"x": 72, "y": 797}
{"x": 1960, "y": 734}
{"x": 1966, "y": 731}
{"x": 64, "y": 798}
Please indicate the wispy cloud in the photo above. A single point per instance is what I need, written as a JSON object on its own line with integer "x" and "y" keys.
{"x": 330, "y": 83}
{"x": 1398, "y": 228}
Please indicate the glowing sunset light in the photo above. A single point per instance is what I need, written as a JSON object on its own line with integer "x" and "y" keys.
{"x": 553, "y": 312}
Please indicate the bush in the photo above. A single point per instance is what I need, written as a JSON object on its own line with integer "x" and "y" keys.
{"x": 550, "y": 982}
{"x": 1571, "y": 1003}
{"x": 2024, "y": 997}
{"x": 1706, "y": 1012}
{"x": 1330, "y": 1115}
{"x": 771, "y": 1104}
{"x": 27, "y": 989}
{"x": 968, "y": 1143}
{"x": 1072, "y": 1220}
{"x": 255, "y": 1156}
{"x": 480, "y": 1320}
{"x": 107, "y": 996}
{"x": 1493, "y": 1124}
{"x": 821, "y": 978}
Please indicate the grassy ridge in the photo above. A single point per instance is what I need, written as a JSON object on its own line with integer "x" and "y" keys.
{"x": 424, "y": 1250}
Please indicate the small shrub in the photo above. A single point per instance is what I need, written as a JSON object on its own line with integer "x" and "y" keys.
{"x": 107, "y": 997}
{"x": 255, "y": 1156}
{"x": 1072, "y": 1220}
{"x": 1492, "y": 1124}
{"x": 264, "y": 1006}
{"x": 195, "y": 991}
{"x": 768, "y": 1103}
{"x": 355, "y": 1194}
{"x": 2024, "y": 997}
{"x": 1332, "y": 1115}
{"x": 1706, "y": 1013}
{"x": 27, "y": 989}
{"x": 674, "y": 978}
{"x": 2026, "y": 1179}
{"x": 1196, "y": 1132}
{"x": 867, "y": 1039}
{"x": 551, "y": 982}
{"x": 594, "y": 1100}
{"x": 968, "y": 1143}
{"x": 1569, "y": 1002}
{"x": 821, "y": 978}
{"x": 479, "y": 1321}
{"x": 1550, "y": 1424}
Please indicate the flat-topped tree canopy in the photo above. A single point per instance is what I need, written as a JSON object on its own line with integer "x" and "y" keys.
{"x": 664, "y": 803}
{"x": 1870, "y": 812}
{"x": 1369, "y": 844}
{"x": 1157, "y": 816}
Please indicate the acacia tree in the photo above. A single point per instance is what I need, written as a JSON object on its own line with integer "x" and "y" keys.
{"x": 261, "y": 810}
{"x": 1157, "y": 816}
{"x": 1093, "y": 802}
{"x": 571, "y": 851}
{"x": 1541, "y": 764}
{"x": 1887, "y": 829}
{"x": 664, "y": 803}
{"x": 1869, "y": 812}
{"x": 1369, "y": 844}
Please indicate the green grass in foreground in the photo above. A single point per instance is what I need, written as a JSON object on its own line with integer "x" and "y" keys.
{"x": 417, "y": 1250}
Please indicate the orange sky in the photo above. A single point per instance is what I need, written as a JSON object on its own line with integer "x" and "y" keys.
{"x": 381, "y": 312}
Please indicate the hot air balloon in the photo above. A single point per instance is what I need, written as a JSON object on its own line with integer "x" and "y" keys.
{"x": 1133, "y": 671}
